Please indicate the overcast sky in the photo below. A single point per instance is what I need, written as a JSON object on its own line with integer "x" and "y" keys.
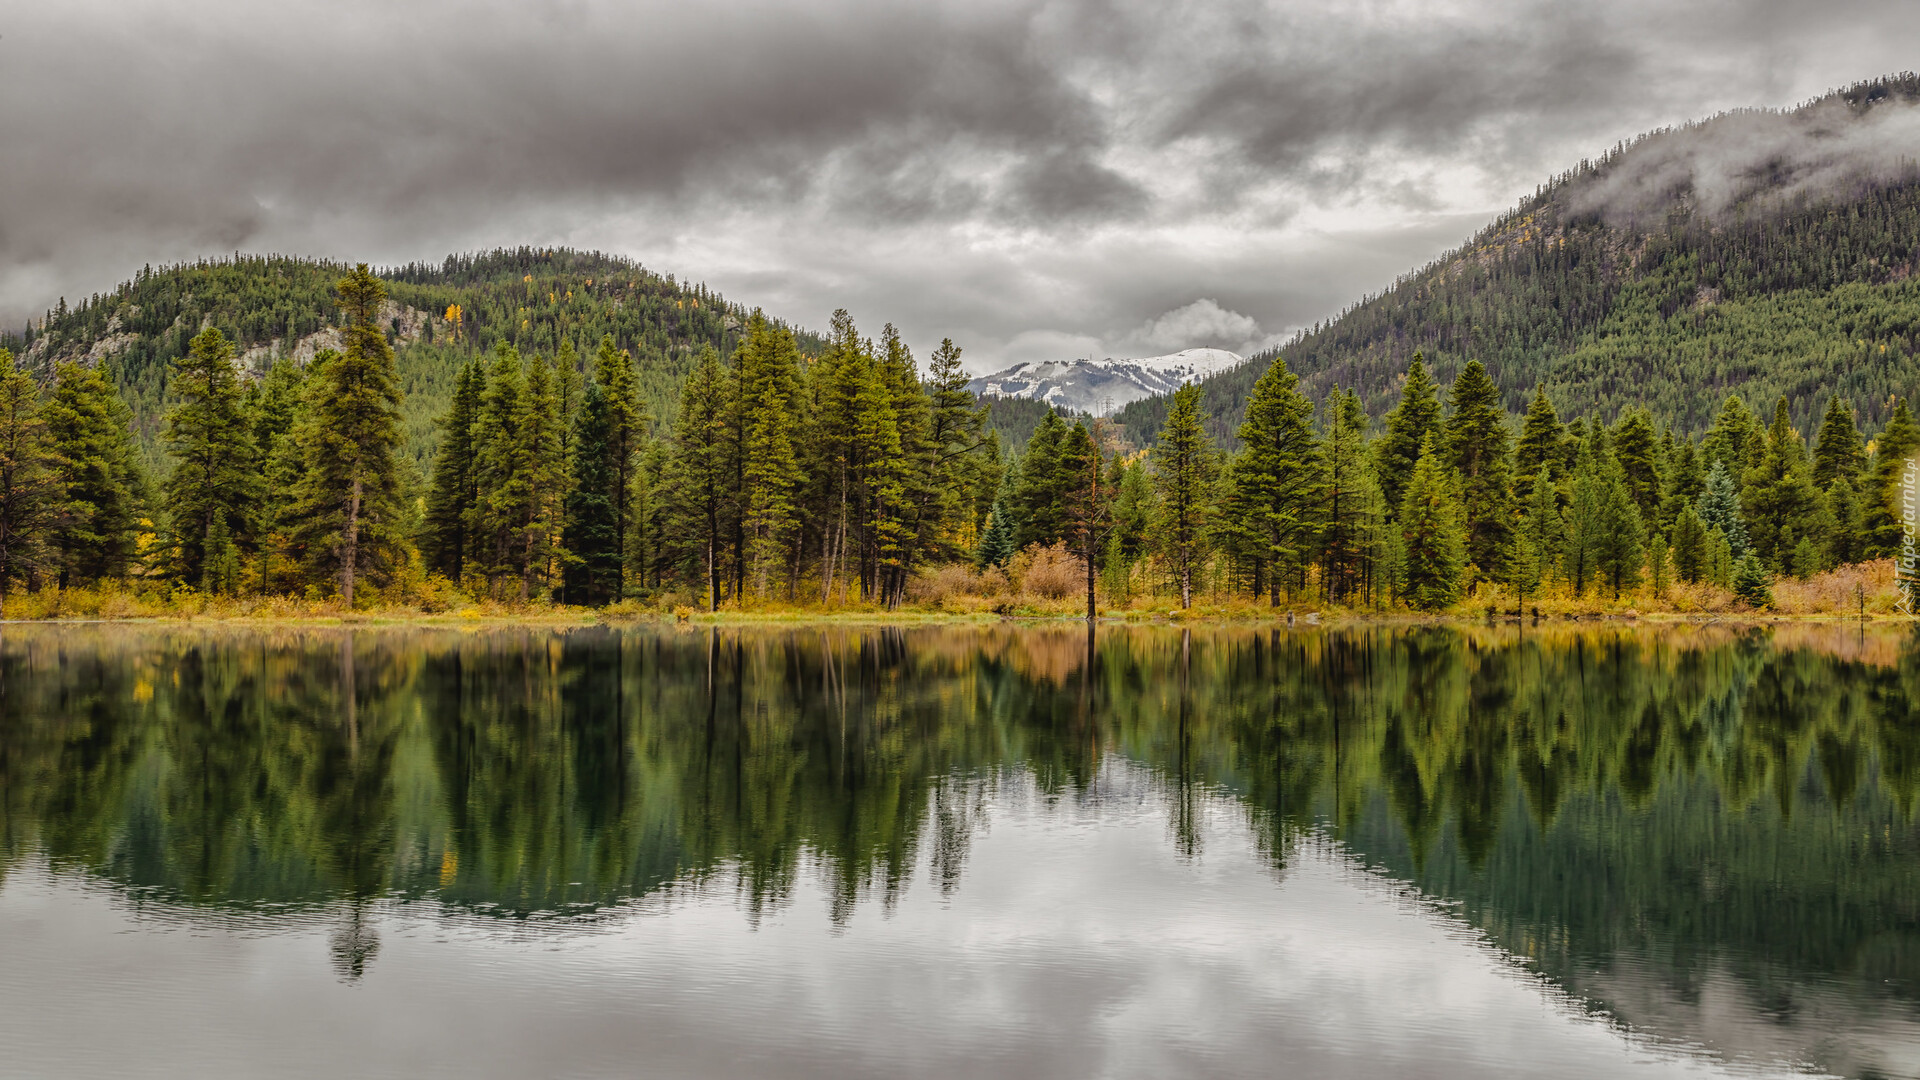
{"x": 1033, "y": 179}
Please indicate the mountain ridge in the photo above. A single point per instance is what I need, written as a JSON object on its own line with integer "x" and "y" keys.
{"x": 1097, "y": 387}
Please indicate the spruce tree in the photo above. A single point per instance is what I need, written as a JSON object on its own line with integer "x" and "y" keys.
{"x": 701, "y": 479}
{"x": 1735, "y": 440}
{"x": 1543, "y": 530}
{"x": 1586, "y": 516}
{"x": 1433, "y": 534}
{"x": 1779, "y": 498}
{"x": 1689, "y": 545}
{"x": 1658, "y": 565}
{"x": 1541, "y": 438}
{"x": 614, "y": 373}
{"x": 506, "y": 499}
{"x": 1719, "y": 508}
{"x": 996, "y": 542}
{"x": 211, "y": 445}
{"x": 1846, "y": 542}
{"x": 1476, "y": 440}
{"x": 1408, "y": 425}
{"x": 544, "y": 458}
{"x": 351, "y": 495}
{"x": 1084, "y": 504}
{"x": 278, "y": 410}
{"x": 1637, "y": 449}
{"x": 1619, "y": 541}
{"x": 1277, "y": 479}
{"x": 1882, "y": 499}
{"x": 1839, "y": 453}
{"x": 447, "y": 538}
{"x": 1684, "y": 482}
{"x": 1184, "y": 470}
{"x": 771, "y": 476}
{"x": 30, "y": 491}
{"x": 1038, "y": 485}
{"x": 92, "y": 453}
{"x": 1751, "y": 583}
{"x": 1345, "y": 525}
{"x": 591, "y": 533}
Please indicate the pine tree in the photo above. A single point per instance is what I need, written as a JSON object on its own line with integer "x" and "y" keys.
{"x": 1185, "y": 470}
{"x": 1839, "y": 453}
{"x": 1621, "y": 537}
{"x": 1735, "y": 439}
{"x": 947, "y": 460}
{"x": 1779, "y": 498}
{"x": 1543, "y": 530}
{"x": 1586, "y": 516}
{"x": 1433, "y": 534}
{"x": 1038, "y": 485}
{"x": 1685, "y": 481}
{"x": 1134, "y": 512}
{"x": 278, "y": 411}
{"x": 1689, "y": 545}
{"x": 1476, "y": 448}
{"x": 771, "y": 476}
{"x": 1408, "y": 425}
{"x": 30, "y": 491}
{"x": 1541, "y": 438}
{"x": 996, "y": 542}
{"x": 211, "y": 444}
{"x": 1638, "y": 452}
{"x": 1751, "y": 582}
{"x": 351, "y": 494}
{"x": 613, "y": 372}
{"x": 447, "y": 538}
{"x": 1719, "y": 509}
{"x": 701, "y": 479}
{"x": 1658, "y": 566}
{"x": 506, "y": 499}
{"x": 1084, "y": 504}
{"x": 569, "y": 393}
{"x": 544, "y": 457}
{"x": 1882, "y": 500}
{"x": 1720, "y": 559}
{"x": 591, "y": 534}
{"x": 1846, "y": 543}
{"x": 92, "y": 454}
{"x": 1344, "y": 520}
{"x": 1276, "y": 498}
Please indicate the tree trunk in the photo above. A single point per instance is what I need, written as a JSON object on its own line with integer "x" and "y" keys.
{"x": 350, "y": 544}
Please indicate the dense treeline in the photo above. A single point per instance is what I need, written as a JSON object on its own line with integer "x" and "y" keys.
{"x": 437, "y": 318}
{"x": 848, "y": 477}
{"x": 1668, "y": 309}
{"x": 1452, "y": 498}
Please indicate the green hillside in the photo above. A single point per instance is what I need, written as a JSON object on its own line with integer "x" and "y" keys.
{"x": 274, "y": 306}
{"x": 1798, "y": 285}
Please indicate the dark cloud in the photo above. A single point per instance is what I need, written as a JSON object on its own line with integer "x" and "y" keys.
{"x": 987, "y": 169}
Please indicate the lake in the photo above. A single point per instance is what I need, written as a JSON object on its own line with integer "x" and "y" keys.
{"x": 959, "y": 851}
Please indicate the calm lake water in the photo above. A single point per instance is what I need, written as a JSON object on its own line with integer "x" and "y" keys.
{"x": 959, "y": 851}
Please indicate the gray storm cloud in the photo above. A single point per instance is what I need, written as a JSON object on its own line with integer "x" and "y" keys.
{"x": 1001, "y": 171}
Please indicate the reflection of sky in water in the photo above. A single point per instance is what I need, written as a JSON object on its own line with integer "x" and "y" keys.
{"x": 1081, "y": 942}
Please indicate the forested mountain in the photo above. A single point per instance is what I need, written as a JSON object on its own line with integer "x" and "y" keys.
{"x": 438, "y": 316}
{"x": 1765, "y": 253}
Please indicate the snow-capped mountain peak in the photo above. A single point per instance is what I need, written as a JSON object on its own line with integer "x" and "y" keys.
{"x": 1101, "y": 386}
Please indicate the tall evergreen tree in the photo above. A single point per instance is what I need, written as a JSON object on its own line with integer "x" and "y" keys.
{"x": 1541, "y": 439}
{"x": 1637, "y": 449}
{"x": 1779, "y": 500}
{"x": 1039, "y": 485}
{"x": 30, "y": 492}
{"x": 1735, "y": 440}
{"x": 591, "y": 534}
{"x": 92, "y": 453}
{"x": 351, "y": 493}
{"x": 544, "y": 457}
{"x": 1884, "y": 508}
{"x": 614, "y": 373}
{"x": 771, "y": 477}
{"x": 701, "y": 477}
{"x": 1084, "y": 504}
{"x": 1276, "y": 499}
{"x": 1408, "y": 425}
{"x": 1689, "y": 545}
{"x": 447, "y": 540}
{"x": 1543, "y": 529}
{"x": 1477, "y": 448}
{"x": 1184, "y": 471}
{"x": 996, "y": 542}
{"x": 1839, "y": 453}
{"x": 1345, "y": 520}
{"x": 1719, "y": 508}
{"x": 1846, "y": 540}
{"x": 278, "y": 410}
{"x": 211, "y": 445}
{"x": 1684, "y": 482}
{"x": 1434, "y": 534}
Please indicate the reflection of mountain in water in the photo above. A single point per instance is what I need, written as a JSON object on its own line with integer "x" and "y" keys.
{"x": 1707, "y": 833}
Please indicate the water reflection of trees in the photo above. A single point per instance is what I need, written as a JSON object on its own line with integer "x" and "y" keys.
{"x": 1577, "y": 791}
